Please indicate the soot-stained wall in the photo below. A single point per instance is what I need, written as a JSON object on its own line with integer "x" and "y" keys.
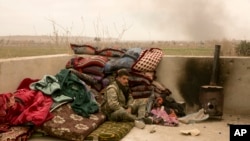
{"x": 184, "y": 76}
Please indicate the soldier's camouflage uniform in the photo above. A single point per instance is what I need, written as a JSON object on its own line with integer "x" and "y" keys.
{"x": 114, "y": 105}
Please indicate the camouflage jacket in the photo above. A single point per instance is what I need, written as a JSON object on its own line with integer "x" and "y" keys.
{"x": 114, "y": 99}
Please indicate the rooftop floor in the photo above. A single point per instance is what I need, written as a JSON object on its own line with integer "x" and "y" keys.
{"x": 211, "y": 129}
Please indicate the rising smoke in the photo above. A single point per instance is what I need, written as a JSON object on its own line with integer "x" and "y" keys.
{"x": 191, "y": 19}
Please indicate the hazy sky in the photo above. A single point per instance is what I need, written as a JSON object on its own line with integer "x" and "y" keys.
{"x": 139, "y": 19}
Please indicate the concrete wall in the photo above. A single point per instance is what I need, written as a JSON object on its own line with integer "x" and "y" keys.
{"x": 14, "y": 70}
{"x": 182, "y": 75}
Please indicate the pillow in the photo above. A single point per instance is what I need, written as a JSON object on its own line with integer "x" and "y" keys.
{"x": 116, "y": 64}
{"x": 80, "y": 62}
{"x": 148, "y": 75}
{"x": 74, "y": 63}
{"x": 111, "y": 131}
{"x": 141, "y": 88}
{"x": 95, "y": 70}
{"x": 70, "y": 126}
{"x": 142, "y": 94}
{"x": 136, "y": 80}
{"x": 148, "y": 60}
{"x": 16, "y": 133}
{"x": 91, "y": 80}
{"x": 83, "y": 49}
{"x": 133, "y": 53}
{"x": 111, "y": 52}
{"x": 94, "y": 61}
{"x": 84, "y": 77}
{"x": 96, "y": 77}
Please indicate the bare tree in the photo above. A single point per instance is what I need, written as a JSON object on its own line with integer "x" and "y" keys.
{"x": 121, "y": 32}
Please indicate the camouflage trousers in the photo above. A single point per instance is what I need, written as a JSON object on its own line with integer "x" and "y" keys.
{"x": 138, "y": 111}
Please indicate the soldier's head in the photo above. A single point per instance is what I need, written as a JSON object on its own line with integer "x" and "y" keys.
{"x": 122, "y": 76}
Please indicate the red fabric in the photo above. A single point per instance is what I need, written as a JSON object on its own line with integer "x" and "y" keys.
{"x": 4, "y": 100}
{"x": 25, "y": 83}
{"x": 32, "y": 106}
{"x": 78, "y": 63}
{"x": 111, "y": 52}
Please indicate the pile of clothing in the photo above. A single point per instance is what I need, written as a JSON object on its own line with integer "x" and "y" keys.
{"x": 66, "y": 105}
{"x": 34, "y": 101}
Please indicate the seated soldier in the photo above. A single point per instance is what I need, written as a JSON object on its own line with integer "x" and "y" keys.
{"x": 119, "y": 105}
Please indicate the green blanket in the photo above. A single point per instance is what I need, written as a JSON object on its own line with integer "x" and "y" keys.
{"x": 110, "y": 131}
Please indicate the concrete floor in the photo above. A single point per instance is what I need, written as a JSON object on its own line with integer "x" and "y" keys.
{"x": 211, "y": 129}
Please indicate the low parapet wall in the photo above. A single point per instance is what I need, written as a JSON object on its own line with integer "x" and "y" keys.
{"x": 183, "y": 75}
{"x": 14, "y": 70}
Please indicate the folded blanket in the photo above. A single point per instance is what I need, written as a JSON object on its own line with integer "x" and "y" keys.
{"x": 110, "y": 131}
{"x": 67, "y": 125}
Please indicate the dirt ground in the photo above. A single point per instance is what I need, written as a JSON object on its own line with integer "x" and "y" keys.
{"x": 211, "y": 129}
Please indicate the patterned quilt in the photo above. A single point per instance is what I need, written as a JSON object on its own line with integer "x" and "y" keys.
{"x": 70, "y": 126}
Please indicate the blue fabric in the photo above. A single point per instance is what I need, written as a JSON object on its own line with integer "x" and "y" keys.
{"x": 133, "y": 53}
{"x": 115, "y": 64}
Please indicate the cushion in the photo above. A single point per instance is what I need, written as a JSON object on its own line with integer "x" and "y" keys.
{"x": 133, "y": 53}
{"x": 142, "y": 88}
{"x": 148, "y": 75}
{"x": 96, "y": 77}
{"x": 141, "y": 94}
{"x": 137, "y": 80}
{"x": 94, "y": 61}
{"x": 74, "y": 63}
{"x": 111, "y": 131}
{"x": 111, "y": 52}
{"x": 83, "y": 49}
{"x": 148, "y": 60}
{"x": 70, "y": 126}
{"x": 89, "y": 79}
{"x": 118, "y": 63}
{"x": 16, "y": 133}
{"x": 79, "y": 63}
{"x": 95, "y": 70}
